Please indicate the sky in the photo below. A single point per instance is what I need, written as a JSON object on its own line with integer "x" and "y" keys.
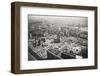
{"x": 63, "y": 20}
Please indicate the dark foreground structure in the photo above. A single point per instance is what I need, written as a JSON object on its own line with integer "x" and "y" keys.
{"x": 50, "y": 56}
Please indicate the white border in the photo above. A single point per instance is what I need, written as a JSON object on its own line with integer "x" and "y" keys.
{"x": 25, "y": 64}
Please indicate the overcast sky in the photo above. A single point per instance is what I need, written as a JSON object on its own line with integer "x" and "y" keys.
{"x": 59, "y": 19}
